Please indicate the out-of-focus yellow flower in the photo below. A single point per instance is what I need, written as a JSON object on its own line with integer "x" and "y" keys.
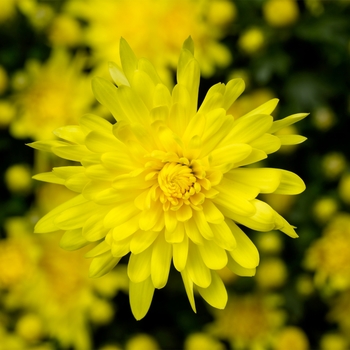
{"x": 280, "y": 13}
{"x": 329, "y": 256}
{"x": 333, "y": 164}
{"x": 251, "y": 41}
{"x": 315, "y": 7}
{"x": 3, "y": 79}
{"x": 249, "y": 321}
{"x": 272, "y": 273}
{"x": 142, "y": 342}
{"x": 270, "y": 243}
{"x": 18, "y": 178}
{"x": 221, "y": 12}
{"x": 344, "y": 188}
{"x": 167, "y": 182}
{"x": 30, "y": 327}
{"x": 305, "y": 285}
{"x": 38, "y": 13}
{"x": 202, "y": 341}
{"x": 324, "y": 209}
{"x": 8, "y": 10}
{"x": 251, "y": 100}
{"x": 339, "y": 313}
{"x": 156, "y": 26}
{"x": 292, "y": 338}
{"x": 323, "y": 118}
{"x": 7, "y": 113}
{"x": 54, "y": 94}
{"x": 54, "y": 303}
{"x": 334, "y": 341}
{"x": 64, "y": 31}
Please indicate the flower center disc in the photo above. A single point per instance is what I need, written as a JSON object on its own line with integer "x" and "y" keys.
{"x": 177, "y": 182}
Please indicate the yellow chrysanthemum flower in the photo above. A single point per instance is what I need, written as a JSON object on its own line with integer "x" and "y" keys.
{"x": 166, "y": 182}
{"x": 153, "y": 26}
{"x": 50, "y": 95}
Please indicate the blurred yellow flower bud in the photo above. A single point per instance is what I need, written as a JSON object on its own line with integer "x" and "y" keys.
{"x": 142, "y": 342}
{"x": 270, "y": 242}
{"x": 101, "y": 312}
{"x": 305, "y": 285}
{"x": 65, "y": 31}
{"x": 7, "y": 113}
{"x": 221, "y": 12}
{"x": 333, "y": 165}
{"x": 30, "y": 327}
{"x": 344, "y": 188}
{"x": 18, "y": 178}
{"x": 334, "y": 341}
{"x": 251, "y": 41}
{"x": 280, "y": 13}
{"x": 324, "y": 208}
{"x": 272, "y": 273}
{"x": 202, "y": 341}
{"x": 323, "y": 118}
{"x": 292, "y": 338}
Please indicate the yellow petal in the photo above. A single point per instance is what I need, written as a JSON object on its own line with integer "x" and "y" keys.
{"x": 238, "y": 269}
{"x": 128, "y": 59}
{"x": 212, "y": 214}
{"x": 93, "y": 229}
{"x": 267, "y": 143}
{"x": 90, "y": 122}
{"x": 287, "y": 140}
{"x": 266, "y": 108}
{"x": 214, "y": 257}
{"x": 216, "y": 294}
{"x": 290, "y": 183}
{"x": 141, "y": 295}
{"x": 75, "y": 217}
{"x": 117, "y": 74}
{"x": 223, "y": 236}
{"x": 170, "y": 220}
{"x": 202, "y": 224}
{"x": 180, "y": 254}
{"x": 141, "y": 240}
{"x": 102, "y": 264}
{"x": 139, "y": 266}
{"x": 71, "y": 133}
{"x": 192, "y": 232}
{"x": 46, "y": 223}
{"x": 177, "y": 235}
{"x": 121, "y": 247}
{"x": 101, "y": 248}
{"x": 49, "y": 177}
{"x": 73, "y": 240}
{"x": 249, "y": 128}
{"x": 283, "y": 123}
{"x": 160, "y": 262}
{"x": 102, "y": 142}
{"x": 230, "y": 154}
{"x": 120, "y": 214}
{"x": 197, "y": 270}
{"x": 107, "y": 94}
{"x": 262, "y": 220}
{"x": 266, "y": 180}
{"x": 245, "y": 252}
{"x": 184, "y": 213}
{"x": 189, "y": 288}
{"x": 234, "y": 89}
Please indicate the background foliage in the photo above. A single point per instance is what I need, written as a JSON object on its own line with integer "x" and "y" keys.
{"x": 297, "y": 51}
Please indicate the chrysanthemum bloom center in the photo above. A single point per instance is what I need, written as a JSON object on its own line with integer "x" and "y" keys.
{"x": 177, "y": 181}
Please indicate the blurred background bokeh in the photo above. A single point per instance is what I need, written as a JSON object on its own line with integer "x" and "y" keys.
{"x": 297, "y": 51}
